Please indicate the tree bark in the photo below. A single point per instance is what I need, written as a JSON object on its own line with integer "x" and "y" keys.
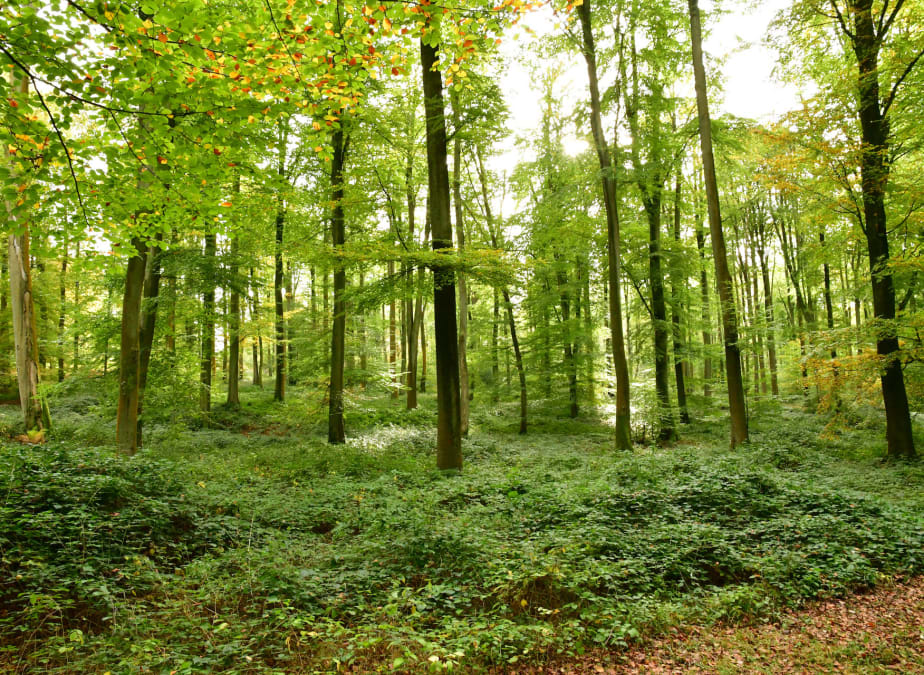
{"x": 874, "y": 169}
{"x": 150, "y": 295}
{"x": 130, "y": 351}
{"x": 279, "y": 389}
{"x": 335, "y": 429}
{"x": 676, "y": 290}
{"x": 736, "y": 404}
{"x": 449, "y": 421}
{"x": 234, "y": 324}
{"x": 208, "y": 328}
{"x": 461, "y": 282}
{"x": 608, "y": 178}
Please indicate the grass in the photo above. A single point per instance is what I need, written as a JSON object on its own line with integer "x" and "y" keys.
{"x": 256, "y": 547}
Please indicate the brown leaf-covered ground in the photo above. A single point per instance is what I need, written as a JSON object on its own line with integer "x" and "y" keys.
{"x": 878, "y": 632}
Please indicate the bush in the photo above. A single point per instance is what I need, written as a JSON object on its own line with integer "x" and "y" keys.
{"x": 80, "y": 527}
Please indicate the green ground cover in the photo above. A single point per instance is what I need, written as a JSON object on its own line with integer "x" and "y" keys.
{"x": 253, "y": 546}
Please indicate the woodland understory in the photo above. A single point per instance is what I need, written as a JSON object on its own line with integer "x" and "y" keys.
{"x": 313, "y": 360}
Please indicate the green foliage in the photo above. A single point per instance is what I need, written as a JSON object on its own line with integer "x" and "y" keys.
{"x": 82, "y": 529}
{"x": 290, "y": 555}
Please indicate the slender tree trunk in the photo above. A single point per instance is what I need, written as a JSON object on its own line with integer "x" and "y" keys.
{"x": 393, "y": 339}
{"x": 608, "y": 178}
{"x": 874, "y": 167}
{"x": 279, "y": 389}
{"x": 449, "y": 421}
{"x": 256, "y": 348}
{"x": 737, "y": 409}
{"x": 422, "y": 386}
{"x": 234, "y": 327}
{"x": 704, "y": 301}
{"x": 130, "y": 351}
{"x": 208, "y": 328}
{"x": 335, "y": 429}
{"x": 150, "y": 300}
{"x": 76, "y": 358}
{"x": 676, "y": 292}
{"x": 62, "y": 312}
{"x": 25, "y": 333}
{"x": 461, "y": 282}
{"x": 495, "y": 363}
{"x": 518, "y": 357}
{"x": 666, "y": 431}
{"x": 363, "y": 350}
{"x": 768, "y": 318}
{"x": 570, "y": 362}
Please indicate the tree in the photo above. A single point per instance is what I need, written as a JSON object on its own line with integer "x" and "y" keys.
{"x": 449, "y": 421}
{"x": 737, "y": 410}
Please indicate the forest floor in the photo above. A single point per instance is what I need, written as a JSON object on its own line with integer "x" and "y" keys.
{"x": 252, "y": 546}
{"x": 881, "y": 631}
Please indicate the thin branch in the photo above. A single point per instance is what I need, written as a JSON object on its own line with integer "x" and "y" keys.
{"x": 67, "y": 153}
{"x": 891, "y": 97}
{"x": 840, "y": 19}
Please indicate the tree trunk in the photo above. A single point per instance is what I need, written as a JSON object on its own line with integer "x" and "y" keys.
{"x": 150, "y": 298}
{"x": 460, "y": 277}
{"x": 25, "y": 333}
{"x": 208, "y": 328}
{"x": 676, "y": 290}
{"x": 518, "y": 357}
{"x": 736, "y": 404}
{"x": 130, "y": 351}
{"x": 234, "y": 325}
{"x": 449, "y": 421}
{"x": 62, "y": 311}
{"x": 570, "y": 362}
{"x": 335, "y": 429}
{"x": 704, "y": 301}
{"x": 608, "y": 178}
{"x": 874, "y": 170}
{"x": 279, "y": 390}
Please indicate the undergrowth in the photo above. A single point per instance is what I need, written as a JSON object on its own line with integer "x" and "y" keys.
{"x": 252, "y": 546}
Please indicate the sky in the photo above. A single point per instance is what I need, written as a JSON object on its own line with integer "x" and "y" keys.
{"x": 735, "y": 38}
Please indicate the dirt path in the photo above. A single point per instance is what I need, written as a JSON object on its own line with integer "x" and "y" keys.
{"x": 878, "y": 632}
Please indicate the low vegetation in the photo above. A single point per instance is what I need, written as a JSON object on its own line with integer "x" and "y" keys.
{"x": 259, "y": 548}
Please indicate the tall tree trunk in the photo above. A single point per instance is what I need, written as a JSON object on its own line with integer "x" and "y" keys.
{"x": 874, "y": 169}
{"x": 736, "y": 404}
{"x": 495, "y": 363}
{"x": 608, "y": 178}
{"x": 62, "y": 311}
{"x": 704, "y": 301}
{"x": 257, "y": 345}
{"x": 570, "y": 362}
{"x": 130, "y": 351}
{"x": 25, "y": 333}
{"x": 335, "y": 429}
{"x": 829, "y": 304}
{"x": 363, "y": 353}
{"x": 150, "y": 295}
{"x": 659, "y": 323}
{"x": 461, "y": 282}
{"x": 449, "y": 421}
{"x": 234, "y": 325}
{"x": 393, "y": 339}
{"x": 279, "y": 390}
{"x": 76, "y": 357}
{"x": 289, "y": 309}
{"x": 676, "y": 278}
{"x": 208, "y": 328}
{"x": 518, "y": 357}
{"x": 768, "y": 318}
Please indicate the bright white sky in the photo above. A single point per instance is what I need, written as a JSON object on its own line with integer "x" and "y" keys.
{"x": 736, "y": 40}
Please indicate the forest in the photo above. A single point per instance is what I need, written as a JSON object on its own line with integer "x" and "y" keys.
{"x": 315, "y": 357}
